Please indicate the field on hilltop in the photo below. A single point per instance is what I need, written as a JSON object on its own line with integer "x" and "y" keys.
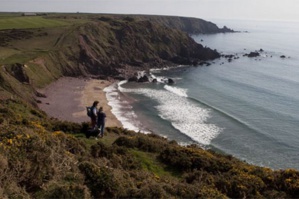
{"x": 26, "y": 22}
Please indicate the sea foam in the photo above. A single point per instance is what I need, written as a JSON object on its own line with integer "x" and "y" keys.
{"x": 184, "y": 115}
{"x": 122, "y": 108}
{"x": 178, "y": 91}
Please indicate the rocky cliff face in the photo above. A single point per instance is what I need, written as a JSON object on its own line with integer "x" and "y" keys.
{"x": 120, "y": 47}
{"x": 187, "y": 24}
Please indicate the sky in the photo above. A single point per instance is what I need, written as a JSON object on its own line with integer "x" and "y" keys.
{"x": 281, "y": 10}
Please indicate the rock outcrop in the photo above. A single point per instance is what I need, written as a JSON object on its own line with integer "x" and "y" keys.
{"x": 119, "y": 48}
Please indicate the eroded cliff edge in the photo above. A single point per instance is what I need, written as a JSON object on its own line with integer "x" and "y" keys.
{"x": 102, "y": 46}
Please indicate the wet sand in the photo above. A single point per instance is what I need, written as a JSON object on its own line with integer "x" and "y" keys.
{"x": 68, "y": 97}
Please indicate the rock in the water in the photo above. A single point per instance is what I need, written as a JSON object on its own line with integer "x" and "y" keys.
{"x": 170, "y": 81}
{"x": 252, "y": 54}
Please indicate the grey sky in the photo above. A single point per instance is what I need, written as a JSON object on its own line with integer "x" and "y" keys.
{"x": 206, "y": 9}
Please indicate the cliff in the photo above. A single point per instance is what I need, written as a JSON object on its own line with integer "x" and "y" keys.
{"x": 98, "y": 45}
{"x": 187, "y": 24}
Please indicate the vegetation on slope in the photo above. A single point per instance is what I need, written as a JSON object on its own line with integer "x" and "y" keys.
{"x": 47, "y": 158}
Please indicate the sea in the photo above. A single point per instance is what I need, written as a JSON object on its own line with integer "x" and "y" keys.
{"x": 245, "y": 107}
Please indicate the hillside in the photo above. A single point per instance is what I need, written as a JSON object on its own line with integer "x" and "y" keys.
{"x": 92, "y": 45}
{"x": 42, "y": 157}
{"x": 47, "y": 158}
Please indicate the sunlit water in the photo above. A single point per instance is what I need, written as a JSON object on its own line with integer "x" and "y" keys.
{"x": 248, "y": 107}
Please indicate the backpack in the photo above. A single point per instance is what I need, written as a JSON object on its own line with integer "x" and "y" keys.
{"x": 89, "y": 111}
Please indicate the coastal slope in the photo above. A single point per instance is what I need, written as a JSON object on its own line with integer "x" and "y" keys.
{"x": 102, "y": 46}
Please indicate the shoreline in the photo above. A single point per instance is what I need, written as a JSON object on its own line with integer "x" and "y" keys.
{"x": 67, "y": 99}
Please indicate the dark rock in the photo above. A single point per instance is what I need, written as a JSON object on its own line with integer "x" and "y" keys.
{"x": 170, "y": 81}
{"x": 283, "y": 56}
{"x": 155, "y": 80}
{"x": 195, "y": 63}
{"x": 204, "y": 63}
{"x": 120, "y": 78}
{"x": 229, "y": 56}
{"x": 38, "y": 94}
{"x": 133, "y": 79}
{"x": 143, "y": 79}
{"x": 252, "y": 54}
{"x": 18, "y": 72}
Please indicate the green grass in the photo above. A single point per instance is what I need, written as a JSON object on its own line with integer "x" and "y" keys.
{"x": 26, "y": 22}
{"x": 149, "y": 163}
{"x": 20, "y": 57}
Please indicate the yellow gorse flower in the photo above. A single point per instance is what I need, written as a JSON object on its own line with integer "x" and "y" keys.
{"x": 9, "y": 141}
{"x": 57, "y": 133}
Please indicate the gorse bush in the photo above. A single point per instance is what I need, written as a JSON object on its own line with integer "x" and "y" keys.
{"x": 147, "y": 143}
{"x": 187, "y": 159}
{"x": 100, "y": 180}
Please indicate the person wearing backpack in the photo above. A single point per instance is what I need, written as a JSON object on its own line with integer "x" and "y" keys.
{"x": 101, "y": 121}
{"x": 93, "y": 114}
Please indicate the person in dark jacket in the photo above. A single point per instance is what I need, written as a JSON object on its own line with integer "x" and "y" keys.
{"x": 101, "y": 121}
{"x": 93, "y": 116}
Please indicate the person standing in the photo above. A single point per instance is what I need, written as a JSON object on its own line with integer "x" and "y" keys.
{"x": 93, "y": 116}
{"x": 101, "y": 121}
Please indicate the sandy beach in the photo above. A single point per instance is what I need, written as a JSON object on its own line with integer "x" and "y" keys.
{"x": 68, "y": 97}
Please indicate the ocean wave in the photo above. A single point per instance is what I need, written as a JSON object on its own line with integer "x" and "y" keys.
{"x": 183, "y": 114}
{"x": 122, "y": 109}
{"x": 178, "y": 91}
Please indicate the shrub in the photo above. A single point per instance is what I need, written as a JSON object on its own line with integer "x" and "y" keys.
{"x": 65, "y": 191}
{"x": 288, "y": 181}
{"x": 37, "y": 113}
{"x": 143, "y": 142}
{"x": 99, "y": 180}
{"x": 240, "y": 184}
{"x": 67, "y": 127}
{"x": 152, "y": 190}
{"x": 101, "y": 150}
{"x": 187, "y": 159}
{"x": 129, "y": 142}
{"x": 115, "y": 130}
{"x": 173, "y": 156}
